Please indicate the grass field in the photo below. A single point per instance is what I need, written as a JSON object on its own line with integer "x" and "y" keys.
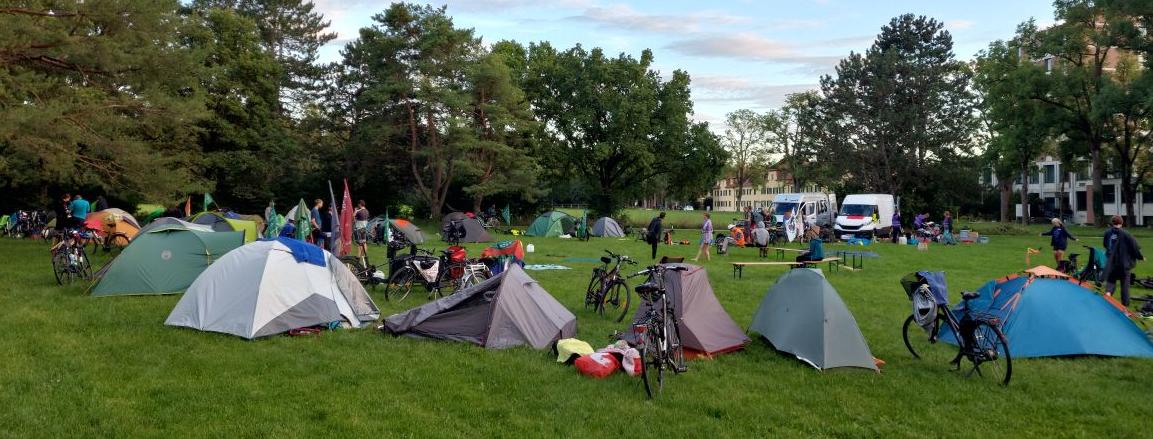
{"x": 77, "y": 366}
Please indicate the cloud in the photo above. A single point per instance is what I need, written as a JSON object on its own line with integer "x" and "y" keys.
{"x": 743, "y": 91}
{"x": 627, "y": 18}
{"x": 959, "y": 24}
{"x": 752, "y": 47}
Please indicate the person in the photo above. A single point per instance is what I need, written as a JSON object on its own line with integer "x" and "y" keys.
{"x": 706, "y": 238}
{"x": 324, "y": 238}
{"x": 314, "y": 221}
{"x": 919, "y": 221}
{"x": 63, "y": 215}
{"x": 1124, "y": 252}
{"x": 360, "y": 229}
{"x": 176, "y": 211}
{"x": 269, "y": 211}
{"x": 760, "y": 237}
{"x": 947, "y": 229}
{"x": 79, "y": 208}
{"x": 748, "y": 217}
{"x": 816, "y": 250}
{"x": 758, "y": 218}
{"x": 895, "y": 232}
{"x": 654, "y": 231}
{"x": 289, "y": 229}
{"x": 100, "y": 204}
{"x": 1059, "y": 241}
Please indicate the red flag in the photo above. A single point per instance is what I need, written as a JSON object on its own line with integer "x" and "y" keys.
{"x": 188, "y": 207}
{"x": 346, "y": 222}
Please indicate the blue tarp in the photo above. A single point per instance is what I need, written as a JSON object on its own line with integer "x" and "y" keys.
{"x": 303, "y": 251}
{"x": 1044, "y": 317}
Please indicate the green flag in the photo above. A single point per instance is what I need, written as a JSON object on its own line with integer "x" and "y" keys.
{"x": 507, "y": 215}
{"x": 387, "y": 228}
{"x": 584, "y": 228}
{"x": 207, "y": 200}
{"x": 301, "y": 216}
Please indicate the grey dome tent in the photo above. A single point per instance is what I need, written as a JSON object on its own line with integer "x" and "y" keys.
{"x": 510, "y": 309}
{"x": 170, "y": 221}
{"x": 803, "y": 315}
{"x": 473, "y": 229}
{"x": 607, "y": 227}
{"x": 706, "y": 329}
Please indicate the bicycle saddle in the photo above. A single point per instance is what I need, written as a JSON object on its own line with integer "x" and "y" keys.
{"x": 606, "y": 259}
{"x": 968, "y": 295}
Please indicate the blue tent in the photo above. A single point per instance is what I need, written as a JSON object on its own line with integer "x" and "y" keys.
{"x": 1046, "y": 317}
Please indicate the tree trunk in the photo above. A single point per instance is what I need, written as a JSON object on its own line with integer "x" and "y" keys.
{"x": 477, "y": 203}
{"x": 1005, "y": 187}
{"x": 1025, "y": 193}
{"x": 1093, "y": 194}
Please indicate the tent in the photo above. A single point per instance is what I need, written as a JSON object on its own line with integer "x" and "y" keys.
{"x": 170, "y": 221}
{"x": 706, "y": 329}
{"x": 507, "y": 310}
{"x": 268, "y": 287}
{"x": 164, "y": 260}
{"x": 473, "y": 229}
{"x": 803, "y": 315}
{"x": 410, "y": 231}
{"x": 220, "y": 223}
{"x": 1055, "y": 316}
{"x": 607, "y": 227}
{"x": 552, "y": 224}
{"x": 112, "y": 221}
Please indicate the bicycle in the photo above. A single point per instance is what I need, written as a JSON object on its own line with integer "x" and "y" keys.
{"x": 365, "y": 271}
{"x": 656, "y": 333}
{"x": 981, "y": 341}
{"x": 606, "y": 287}
{"x": 69, "y": 260}
{"x": 453, "y": 232}
{"x": 451, "y": 271}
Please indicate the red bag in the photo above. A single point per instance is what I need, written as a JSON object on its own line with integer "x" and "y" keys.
{"x": 598, "y": 365}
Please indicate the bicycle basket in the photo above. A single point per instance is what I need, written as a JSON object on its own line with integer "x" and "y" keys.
{"x": 924, "y": 306}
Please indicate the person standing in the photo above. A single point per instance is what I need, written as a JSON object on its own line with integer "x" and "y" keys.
{"x": 895, "y": 231}
{"x": 816, "y": 248}
{"x": 1059, "y": 241}
{"x": 654, "y": 230}
{"x": 360, "y": 229}
{"x": 1124, "y": 252}
{"x": 706, "y": 238}
{"x": 324, "y": 240}
{"x": 947, "y": 229}
{"x": 63, "y": 215}
{"x": 100, "y": 204}
{"x": 315, "y": 221}
{"x": 79, "y": 208}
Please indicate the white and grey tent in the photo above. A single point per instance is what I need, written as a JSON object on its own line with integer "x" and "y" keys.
{"x": 510, "y": 309}
{"x": 607, "y": 227}
{"x": 803, "y": 315}
{"x": 269, "y": 287}
{"x": 170, "y": 221}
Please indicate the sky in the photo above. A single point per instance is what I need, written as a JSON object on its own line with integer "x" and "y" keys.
{"x": 739, "y": 53}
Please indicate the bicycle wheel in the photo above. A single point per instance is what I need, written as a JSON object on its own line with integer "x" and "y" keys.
{"x": 592, "y": 293}
{"x": 646, "y": 363}
{"x": 400, "y": 285}
{"x": 115, "y": 242}
{"x": 676, "y": 351}
{"x": 926, "y": 345}
{"x": 991, "y": 358}
{"x": 657, "y": 340}
{"x": 60, "y": 266}
{"x": 83, "y": 264}
{"x": 617, "y": 300}
{"x": 472, "y": 278}
{"x": 353, "y": 265}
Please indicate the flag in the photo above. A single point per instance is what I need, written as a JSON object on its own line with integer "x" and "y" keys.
{"x": 345, "y": 222}
{"x": 507, "y": 215}
{"x": 272, "y": 223}
{"x": 334, "y": 224}
{"x": 207, "y": 200}
{"x": 583, "y": 230}
{"x": 301, "y": 217}
{"x": 387, "y": 228}
{"x": 188, "y": 207}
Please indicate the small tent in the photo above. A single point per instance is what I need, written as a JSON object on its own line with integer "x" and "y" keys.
{"x": 221, "y": 223}
{"x": 113, "y": 221}
{"x": 164, "y": 221}
{"x": 608, "y": 228}
{"x": 268, "y": 287}
{"x": 552, "y": 224}
{"x": 163, "y": 260}
{"x": 509, "y": 309}
{"x": 410, "y": 231}
{"x": 473, "y": 229}
{"x": 705, "y": 328}
{"x": 1054, "y": 316}
{"x": 803, "y": 315}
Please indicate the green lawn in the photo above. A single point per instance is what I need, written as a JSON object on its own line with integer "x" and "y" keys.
{"x": 77, "y": 366}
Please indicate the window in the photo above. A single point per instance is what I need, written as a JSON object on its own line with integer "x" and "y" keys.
{"x": 1035, "y": 177}
{"x": 1050, "y": 173}
{"x": 1081, "y": 201}
{"x": 1147, "y": 194}
{"x": 1109, "y": 194}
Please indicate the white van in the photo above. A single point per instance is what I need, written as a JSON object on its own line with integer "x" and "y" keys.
{"x": 856, "y": 218}
{"x": 815, "y": 207}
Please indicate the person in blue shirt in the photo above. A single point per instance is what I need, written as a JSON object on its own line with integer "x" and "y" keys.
{"x": 289, "y": 229}
{"x": 816, "y": 248}
{"x": 314, "y": 220}
{"x": 79, "y": 208}
{"x": 1059, "y": 240}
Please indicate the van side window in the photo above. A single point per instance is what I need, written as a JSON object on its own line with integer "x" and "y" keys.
{"x": 824, "y": 206}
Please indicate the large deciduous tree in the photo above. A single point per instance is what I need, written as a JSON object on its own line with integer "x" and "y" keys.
{"x": 615, "y": 124}
{"x": 896, "y": 112}
{"x": 746, "y": 140}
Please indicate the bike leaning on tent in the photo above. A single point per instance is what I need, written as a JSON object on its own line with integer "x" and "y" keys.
{"x": 607, "y": 289}
{"x": 656, "y": 333}
{"x": 980, "y": 339}
{"x": 450, "y": 271}
{"x": 69, "y": 260}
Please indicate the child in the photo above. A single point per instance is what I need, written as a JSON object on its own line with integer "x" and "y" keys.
{"x": 1059, "y": 241}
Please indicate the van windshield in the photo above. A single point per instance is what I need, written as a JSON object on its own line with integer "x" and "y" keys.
{"x": 781, "y": 208}
{"x": 858, "y": 210}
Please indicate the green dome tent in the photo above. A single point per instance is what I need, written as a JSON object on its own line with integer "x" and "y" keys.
{"x": 552, "y": 224}
{"x": 163, "y": 261}
{"x": 221, "y": 223}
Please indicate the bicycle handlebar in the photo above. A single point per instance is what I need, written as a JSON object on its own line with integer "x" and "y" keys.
{"x": 655, "y": 268}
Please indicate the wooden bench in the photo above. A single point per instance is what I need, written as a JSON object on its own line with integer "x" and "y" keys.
{"x": 781, "y": 251}
{"x": 834, "y": 262}
{"x": 854, "y": 259}
{"x": 739, "y": 267}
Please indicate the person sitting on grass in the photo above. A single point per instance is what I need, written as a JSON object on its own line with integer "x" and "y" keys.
{"x": 816, "y": 249}
{"x": 1059, "y": 241}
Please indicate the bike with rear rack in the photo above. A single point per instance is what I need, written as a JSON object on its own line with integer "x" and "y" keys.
{"x": 656, "y": 333}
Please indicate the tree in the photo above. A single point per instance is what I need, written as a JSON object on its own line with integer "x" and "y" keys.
{"x": 895, "y": 113}
{"x": 97, "y": 96}
{"x": 745, "y": 139}
{"x": 797, "y": 137}
{"x": 614, "y": 124}
{"x": 1124, "y": 103}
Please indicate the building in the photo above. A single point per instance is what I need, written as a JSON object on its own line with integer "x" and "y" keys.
{"x": 776, "y": 181}
{"x": 1046, "y": 182}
